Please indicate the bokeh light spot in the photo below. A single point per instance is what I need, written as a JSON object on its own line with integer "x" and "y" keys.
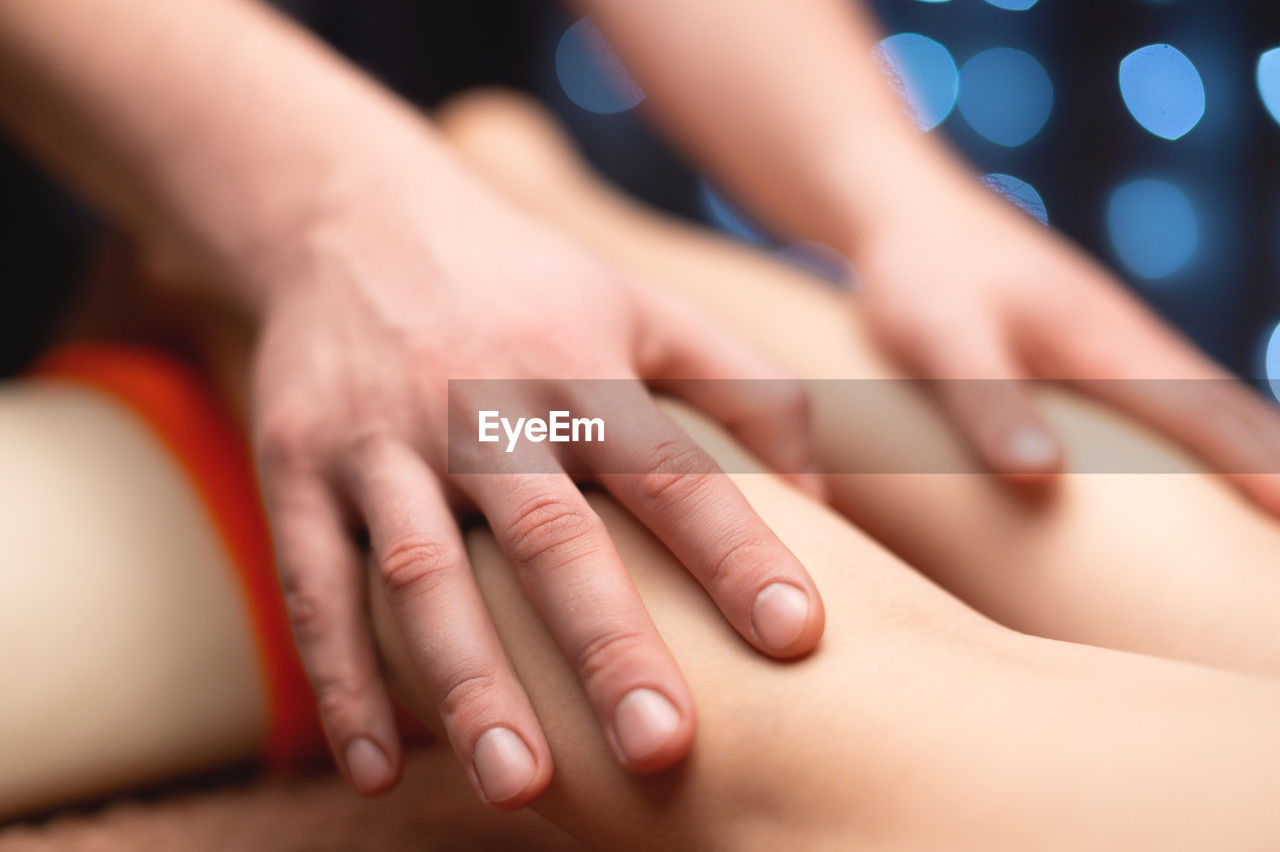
{"x": 1013, "y": 5}
{"x": 1163, "y": 90}
{"x": 726, "y": 217}
{"x": 1271, "y": 361}
{"x": 590, "y": 74}
{"x": 1269, "y": 81}
{"x": 1005, "y": 95}
{"x": 1153, "y": 227}
{"x": 1019, "y": 193}
{"x": 924, "y": 73}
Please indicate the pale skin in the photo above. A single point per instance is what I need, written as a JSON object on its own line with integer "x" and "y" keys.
{"x": 924, "y": 724}
{"x": 927, "y": 726}
{"x": 246, "y": 160}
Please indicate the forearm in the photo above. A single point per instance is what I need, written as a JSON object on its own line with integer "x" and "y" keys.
{"x": 206, "y": 128}
{"x": 784, "y": 104}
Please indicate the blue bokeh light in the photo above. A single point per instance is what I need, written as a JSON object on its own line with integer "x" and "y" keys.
{"x": 1269, "y": 81}
{"x": 1020, "y": 193}
{"x": 1013, "y": 5}
{"x": 1153, "y": 227}
{"x": 591, "y": 74}
{"x": 1005, "y": 95}
{"x": 925, "y": 74}
{"x": 726, "y": 217}
{"x": 1163, "y": 90}
{"x": 1271, "y": 361}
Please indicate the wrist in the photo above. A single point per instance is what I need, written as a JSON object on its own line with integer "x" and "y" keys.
{"x": 259, "y": 227}
{"x": 905, "y": 180}
{"x": 390, "y": 210}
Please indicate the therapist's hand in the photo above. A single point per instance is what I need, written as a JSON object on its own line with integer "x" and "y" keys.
{"x": 968, "y": 286}
{"x": 373, "y": 308}
{"x": 244, "y": 157}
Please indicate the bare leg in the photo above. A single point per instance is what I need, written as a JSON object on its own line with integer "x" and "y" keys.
{"x": 917, "y": 723}
{"x": 128, "y": 650}
{"x": 1174, "y": 565}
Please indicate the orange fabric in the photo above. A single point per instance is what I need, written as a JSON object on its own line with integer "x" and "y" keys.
{"x": 185, "y": 414}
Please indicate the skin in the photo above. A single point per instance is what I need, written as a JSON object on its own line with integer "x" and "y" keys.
{"x": 374, "y": 267}
{"x": 360, "y": 282}
{"x": 1176, "y": 564}
{"x": 954, "y": 282}
{"x": 923, "y": 724}
{"x": 148, "y": 671}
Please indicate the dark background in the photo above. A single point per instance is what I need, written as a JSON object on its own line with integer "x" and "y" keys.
{"x": 1227, "y": 296}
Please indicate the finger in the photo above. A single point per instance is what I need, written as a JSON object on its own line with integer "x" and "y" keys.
{"x": 689, "y": 356}
{"x": 446, "y": 625}
{"x": 1144, "y": 368}
{"x": 989, "y": 399}
{"x": 320, "y": 575}
{"x": 675, "y": 488}
{"x": 568, "y": 566}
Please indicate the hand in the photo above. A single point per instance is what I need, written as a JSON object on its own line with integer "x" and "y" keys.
{"x": 373, "y": 309}
{"x": 970, "y": 287}
{"x": 245, "y": 157}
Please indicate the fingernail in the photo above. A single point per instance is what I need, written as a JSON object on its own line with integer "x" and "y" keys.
{"x": 1030, "y": 447}
{"x": 779, "y": 615}
{"x": 503, "y": 764}
{"x": 644, "y": 722}
{"x": 367, "y": 765}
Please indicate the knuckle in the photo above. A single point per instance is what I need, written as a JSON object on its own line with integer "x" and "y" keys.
{"x": 737, "y": 559}
{"x": 338, "y": 702}
{"x": 416, "y": 564}
{"x": 467, "y": 694}
{"x": 608, "y": 651}
{"x": 307, "y": 611}
{"x": 785, "y": 405}
{"x": 912, "y": 336}
{"x": 549, "y": 524}
{"x": 361, "y": 444}
{"x": 794, "y": 405}
{"x": 674, "y": 470}
{"x": 287, "y": 440}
